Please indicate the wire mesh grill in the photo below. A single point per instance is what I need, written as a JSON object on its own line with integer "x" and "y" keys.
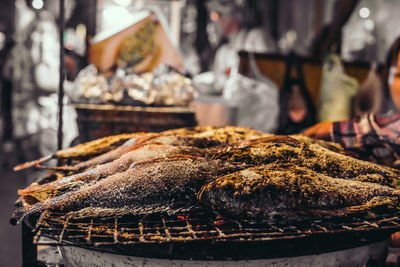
{"x": 194, "y": 225}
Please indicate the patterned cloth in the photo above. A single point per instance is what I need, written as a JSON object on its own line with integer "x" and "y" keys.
{"x": 371, "y": 137}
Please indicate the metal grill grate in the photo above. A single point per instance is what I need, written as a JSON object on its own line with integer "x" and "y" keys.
{"x": 197, "y": 224}
{"x": 197, "y": 234}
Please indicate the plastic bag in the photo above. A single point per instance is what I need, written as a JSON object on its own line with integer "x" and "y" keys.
{"x": 337, "y": 91}
{"x": 256, "y": 103}
{"x": 92, "y": 85}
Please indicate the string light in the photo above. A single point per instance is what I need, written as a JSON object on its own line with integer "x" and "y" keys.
{"x": 364, "y": 12}
{"x": 37, "y": 4}
{"x": 369, "y": 24}
{"x": 124, "y": 3}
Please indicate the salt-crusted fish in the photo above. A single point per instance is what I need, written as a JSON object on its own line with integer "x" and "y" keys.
{"x": 40, "y": 192}
{"x": 306, "y": 154}
{"x": 160, "y": 170}
{"x": 84, "y": 151}
{"x": 164, "y": 181}
{"x": 201, "y": 137}
{"x": 275, "y": 191}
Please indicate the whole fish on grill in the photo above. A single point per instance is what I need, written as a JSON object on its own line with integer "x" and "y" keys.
{"x": 40, "y": 192}
{"x": 145, "y": 147}
{"x": 85, "y": 151}
{"x": 279, "y": 149}
{"x": 163, "y": 181}
{"x": 176, "y": 175}
{"x": 275, "y": 191}
{"x": 145, "y": 151}
{"x": 199, "y": 137}
{"x": 283, "y": 149}
{"x": 116, "y": 154}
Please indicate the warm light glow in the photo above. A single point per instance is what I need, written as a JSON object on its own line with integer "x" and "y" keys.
{"x": 81, "y": 31}
{"x": 364, "y": 12}
{"x": 37, "y": 4}
{"x": 214, "y": 16}
{"x": 291, "y": 36}
{"x": 123, "y": 2}
{"x": 369, "y": 24}
{"x": 116, "y": 15}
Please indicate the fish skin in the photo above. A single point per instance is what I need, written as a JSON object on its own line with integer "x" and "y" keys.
{"x": 83, "y": 151}
{"x": 110, "y": 155}
{"x": 275, "y": 190}
{"x": 133, "y": 144}
{"x": 143, "y": 153}
{"x": 156, "y": 182}
{"x": 224, "y": 134}
{"x": 201, "y": 137}
{"x": 306, "y": 154}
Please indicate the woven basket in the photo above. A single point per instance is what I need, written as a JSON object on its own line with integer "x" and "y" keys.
{"x": 96, "y": 121}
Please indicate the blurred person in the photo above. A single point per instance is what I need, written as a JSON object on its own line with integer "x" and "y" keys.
{"x": 224, "y": 93}
{"x": 373, "y": 137}
{"x": 238, "y": 28}
{"x": 33, "y": 69}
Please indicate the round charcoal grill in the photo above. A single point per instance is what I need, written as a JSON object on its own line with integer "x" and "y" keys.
{"x": 196, "y": 234}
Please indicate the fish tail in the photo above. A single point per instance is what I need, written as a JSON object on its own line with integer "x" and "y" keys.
{"x": 31, "y": 190}
{"x": 35, "y": 163}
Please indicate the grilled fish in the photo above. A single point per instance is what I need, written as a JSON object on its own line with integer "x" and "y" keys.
{"x": 147, "y": 146}
{"x": 274, "y": 191}
{"x": 161, "y": 170}
{"x": 225, "y": 134}
{"x": 201, "y": 137}
{"x": 259, "y": 151}
{"x": 306, "y": 154}
{"x": 326, "y": 144}
{"x": 166, "y": 181}
{"x": 145, "y": 152}
{"x": 158, "y": 147}
{"x": 135, "y": 144}
{"x": 85, "y": 150}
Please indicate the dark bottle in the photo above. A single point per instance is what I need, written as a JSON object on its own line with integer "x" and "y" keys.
{"x": 297, "y": 111}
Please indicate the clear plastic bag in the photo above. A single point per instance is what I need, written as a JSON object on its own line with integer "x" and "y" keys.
{"x": 255, "y": 102}
{"x": 92, "y": 85}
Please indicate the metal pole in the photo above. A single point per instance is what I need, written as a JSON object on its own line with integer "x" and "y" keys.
{"x": 61, "y": 82}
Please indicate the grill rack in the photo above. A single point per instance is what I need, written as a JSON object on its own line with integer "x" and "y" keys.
{"x": 198, "y": 234}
